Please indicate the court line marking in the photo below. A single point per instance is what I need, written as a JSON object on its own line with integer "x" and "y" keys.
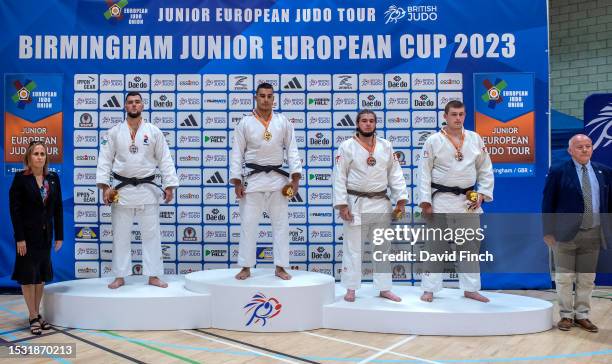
{"x": 245, "y": 348}
{"x": 387, "y": 349}
{"x": 96, "y": 345}
{"x": 369, "y": 347}
{"x": 257, "y": 347}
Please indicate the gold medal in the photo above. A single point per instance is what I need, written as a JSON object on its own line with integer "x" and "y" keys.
{"x": 267, "y": 136}
{"x": 471, "y": 196}
{"x": 114, "y": 195}
{"x": 288, "y": 191}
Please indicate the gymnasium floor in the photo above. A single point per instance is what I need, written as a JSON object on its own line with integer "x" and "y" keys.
{"x": 317, "y": 346}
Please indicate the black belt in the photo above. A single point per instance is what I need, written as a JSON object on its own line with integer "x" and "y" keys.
{"x": 256, "y": 168}
{"x": 456, "y": 190}
{"x": 379, "y": 194}
{"x": 135, "y": 181}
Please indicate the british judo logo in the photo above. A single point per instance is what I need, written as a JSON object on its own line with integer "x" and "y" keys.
{"x": 261, "y": 309}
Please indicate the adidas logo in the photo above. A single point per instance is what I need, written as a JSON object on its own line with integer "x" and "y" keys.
{"x": 346, "y": 121}
{"x": 189, "y": 121}
{"x": 293, "y": 84}
{"x": 112, "y": 102}
{"x": 296, "y": 198}
{"x": 215, "y": 178}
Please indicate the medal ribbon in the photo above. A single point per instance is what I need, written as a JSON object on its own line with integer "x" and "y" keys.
{"x": 459, "y": 146}
{"x": 366, "y": 147}
{"x": 263, "y": 122}
{"x": 133, "y": 133}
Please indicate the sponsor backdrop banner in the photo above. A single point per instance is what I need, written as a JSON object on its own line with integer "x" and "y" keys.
{"x": 68, "y": 65}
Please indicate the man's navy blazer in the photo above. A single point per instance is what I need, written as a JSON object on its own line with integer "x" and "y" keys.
{"x": 563, "y": 205}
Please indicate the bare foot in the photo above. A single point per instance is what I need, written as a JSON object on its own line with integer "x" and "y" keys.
{"x": 475, "y": 296}
{"x": 390, "y": 296}
{"x": 244, "y": 273}
{"x": 427, "y": 296}
{"x": 282, "y": 273}
{"x": 154, "y": 281}
{"x": 350, "y": 295}
{"x": 118, "y": 282}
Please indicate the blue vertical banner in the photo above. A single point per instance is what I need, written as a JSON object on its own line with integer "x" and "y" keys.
{"x": 197, "y": 67}
{"x": 598, "y": 126}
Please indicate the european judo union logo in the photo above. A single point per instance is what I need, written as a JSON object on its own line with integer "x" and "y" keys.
{"x": 115, "y": 10}
{"x": 23, "y": 95}
{"x": 493, "y": 94}
{"x": 262, "y": 308}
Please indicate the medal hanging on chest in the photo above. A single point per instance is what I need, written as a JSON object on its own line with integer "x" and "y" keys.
{"x": 458, "y": 147}
{"x": 267, "y": 135}
{"x": 370, "y": 161}
{"x": 133, "y": 148}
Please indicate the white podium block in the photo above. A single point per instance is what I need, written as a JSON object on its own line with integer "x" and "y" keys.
{"x": 90, "y": 304}
{"x": 264, "y": 302}
{"x": 449, "y": 314}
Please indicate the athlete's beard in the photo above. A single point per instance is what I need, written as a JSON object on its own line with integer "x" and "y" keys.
{"x": 366, "y": 134}
{"x": 134, "y": 115}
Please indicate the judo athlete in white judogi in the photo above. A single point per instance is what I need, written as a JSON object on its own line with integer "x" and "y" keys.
{"x": 365, "y": 167}
{"x": 258, "y": 151}
{"x": 454, "y": 162}
{"x": 130, "y": 153}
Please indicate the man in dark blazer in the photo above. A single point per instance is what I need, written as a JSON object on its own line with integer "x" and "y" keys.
{"x": 576, "y": 206}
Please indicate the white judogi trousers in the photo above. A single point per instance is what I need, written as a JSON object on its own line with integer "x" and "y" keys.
{"x": 251, "y": 209}
{"x": 148, "y": 223}
{"x": 468, "y": 272}
{"x": 351, "y": 260}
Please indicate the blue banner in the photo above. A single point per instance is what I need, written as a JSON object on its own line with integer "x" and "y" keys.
{"x": 197, "y": 66}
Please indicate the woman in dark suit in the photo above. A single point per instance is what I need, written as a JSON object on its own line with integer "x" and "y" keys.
{"x": 35, "y": 201}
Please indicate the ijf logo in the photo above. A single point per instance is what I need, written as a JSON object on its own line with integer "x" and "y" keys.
{"x": 115, "y": 10}
{"x": 493, "y": 94}
{"x": 261, "y": 309}
{"x": 23, "y": 96}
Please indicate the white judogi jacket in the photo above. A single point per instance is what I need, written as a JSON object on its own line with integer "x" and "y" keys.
{"x": 153, "y": 152}
{"x": 352, "y": 172}
{"x": 249, "y": 146}
{"x": 438, "y": 165}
